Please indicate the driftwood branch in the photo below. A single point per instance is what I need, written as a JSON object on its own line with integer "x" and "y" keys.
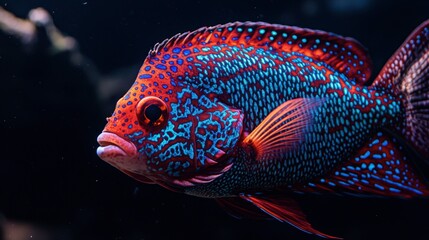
{"x": 39, "y": 22}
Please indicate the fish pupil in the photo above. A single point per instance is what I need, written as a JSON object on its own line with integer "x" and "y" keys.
{"x": 152, "y": 112}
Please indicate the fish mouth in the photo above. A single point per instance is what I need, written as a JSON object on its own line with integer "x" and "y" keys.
{"x": 113, "y": 148}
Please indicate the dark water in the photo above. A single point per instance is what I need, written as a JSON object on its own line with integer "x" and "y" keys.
{"x": 53, "y": 108}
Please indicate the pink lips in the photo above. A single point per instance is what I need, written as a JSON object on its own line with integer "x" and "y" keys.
{"x": 112, "y": 148}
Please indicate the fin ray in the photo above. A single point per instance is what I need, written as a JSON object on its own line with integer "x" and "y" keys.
{"x": 238, "y": 208}
{"x": 379, "y": 168}
{"x": 283, "y": 128}
{"x": 406, "y": 74}
{"x": 345, "y": 55}
{"x": 285, "y": 210}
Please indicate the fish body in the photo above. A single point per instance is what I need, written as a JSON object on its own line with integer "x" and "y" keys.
{"x": 347, "y": 114}
{"x": 251, "y": 112}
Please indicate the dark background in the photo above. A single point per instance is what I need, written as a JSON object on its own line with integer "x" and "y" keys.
{"x": 51, "y": 114}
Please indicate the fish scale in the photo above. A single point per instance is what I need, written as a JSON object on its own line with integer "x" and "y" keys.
{"x": 256, "y": 111}
{"x": 280, "y": 78}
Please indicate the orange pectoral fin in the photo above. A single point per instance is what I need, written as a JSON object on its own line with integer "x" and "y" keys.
{"x": 283, "y": 129}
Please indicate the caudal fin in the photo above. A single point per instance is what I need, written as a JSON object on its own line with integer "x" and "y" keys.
{"x": 407, "y": 75}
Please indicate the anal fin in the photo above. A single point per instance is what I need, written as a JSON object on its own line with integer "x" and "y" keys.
{"x": 285, "y": 210}
{"x": 238, "y": 208}
{"x": 379, "y": 168}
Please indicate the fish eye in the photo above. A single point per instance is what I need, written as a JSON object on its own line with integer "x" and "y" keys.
{"x": 152, "y": 112}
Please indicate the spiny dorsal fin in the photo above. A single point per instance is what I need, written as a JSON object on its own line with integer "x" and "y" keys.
{"x": 343, "y": 54}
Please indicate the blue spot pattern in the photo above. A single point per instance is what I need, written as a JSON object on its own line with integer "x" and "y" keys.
{"x": 222, "y": 72}
{"x": 213, "y": 126}
{"x": 257, "y": 81}
{"x": 379, "y": 168}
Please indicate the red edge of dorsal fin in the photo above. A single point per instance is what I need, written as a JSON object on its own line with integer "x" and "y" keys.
{"x": 284, "y": 210}
{"x": 343, "y": 54}
{"x": 283, "y": 129}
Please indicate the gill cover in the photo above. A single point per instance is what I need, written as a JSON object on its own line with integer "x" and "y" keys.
{"x": 189, "y": 149}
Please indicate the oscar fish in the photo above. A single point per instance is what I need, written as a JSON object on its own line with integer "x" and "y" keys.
{"x": 251, "y": 113}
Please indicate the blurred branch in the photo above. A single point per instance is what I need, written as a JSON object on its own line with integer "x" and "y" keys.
{"x": 39, "y": 34}
{"x": 28, "y": 30}
{"x": 41, "y": 18}
{"x": 20, "y": 28}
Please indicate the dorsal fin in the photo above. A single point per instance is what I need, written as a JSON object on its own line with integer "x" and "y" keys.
{"x": 343, "y": 54}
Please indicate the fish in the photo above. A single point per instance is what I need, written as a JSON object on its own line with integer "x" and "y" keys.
{"x": 251, "y": 113}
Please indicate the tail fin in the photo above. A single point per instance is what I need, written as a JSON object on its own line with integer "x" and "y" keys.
{"x": 407, "y": 75}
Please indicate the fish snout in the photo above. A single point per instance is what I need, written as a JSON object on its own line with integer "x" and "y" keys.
{"x": 114, "y": 149}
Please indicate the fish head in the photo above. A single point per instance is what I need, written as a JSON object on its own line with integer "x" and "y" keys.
{"x": 167, "y": 131}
